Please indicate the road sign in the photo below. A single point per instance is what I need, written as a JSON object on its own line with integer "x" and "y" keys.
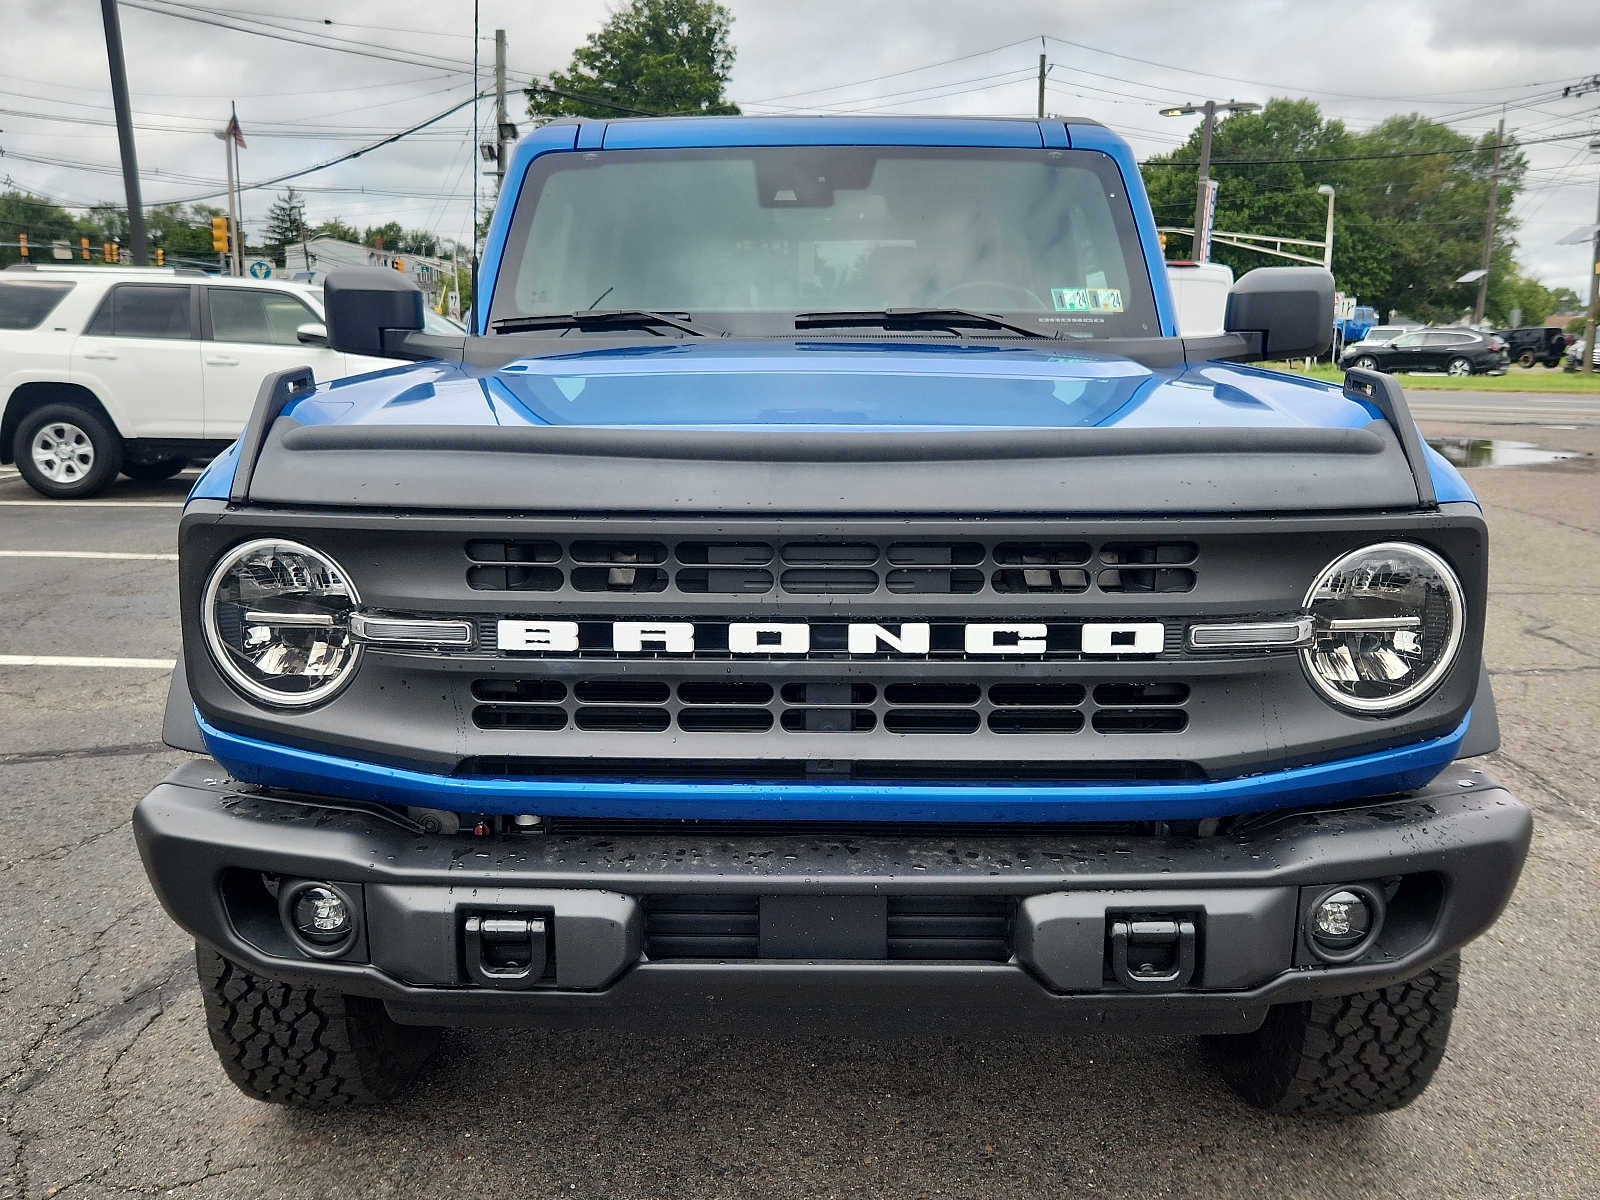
{"x": 260, "y": 269}
{"x": 1204, "y": 239}
{"x": 1344, "y": 307}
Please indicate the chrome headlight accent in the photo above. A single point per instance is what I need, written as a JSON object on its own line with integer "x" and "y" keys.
{"x": 276, "y": 616}
{"x": 1388, "y": 623}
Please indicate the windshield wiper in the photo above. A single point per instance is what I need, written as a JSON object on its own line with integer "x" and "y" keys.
{"x": 916, "y": 318}
{"x": 599, "y": 318}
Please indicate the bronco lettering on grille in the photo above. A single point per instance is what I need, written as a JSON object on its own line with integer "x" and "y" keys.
{"x": 911, "y": 639}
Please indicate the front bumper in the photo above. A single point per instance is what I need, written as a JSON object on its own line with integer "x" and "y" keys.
{"x": 818, "y": 914}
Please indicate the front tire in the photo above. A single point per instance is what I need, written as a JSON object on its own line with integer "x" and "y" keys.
{"x": 1365, "y": 363}
{"x": 66, "y": 452}
{"x": 1525, "y": 359}
{"x": 1346, "y": 1056}
{"x": 1458, "y": 367}
{"x": 307, "y": 1047}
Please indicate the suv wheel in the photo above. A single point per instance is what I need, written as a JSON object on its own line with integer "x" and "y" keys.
{"x": 1458, "y": 367}
{"x": 152, "y": 470}
{"x": 303, "y": 1046}
{"x": 1346, "y": 1056}
{"x": 1365, "y": 363}
{"x": 66, "y": 452}
{"x": 1525, "y": 359}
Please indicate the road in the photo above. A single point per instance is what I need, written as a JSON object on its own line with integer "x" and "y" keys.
{"x": 1505, "y": 408}
{"x": 108, "y": 1086}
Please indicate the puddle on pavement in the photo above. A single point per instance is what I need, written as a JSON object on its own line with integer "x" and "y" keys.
{"x": 1496, "y": 452}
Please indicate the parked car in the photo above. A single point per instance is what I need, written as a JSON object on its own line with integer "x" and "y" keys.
{"x": 141, "y": 370}
{"x": 1200, "y": 294}
{"x": 1454, "y": 351}
{"x": 1574, "y": 360}
{"x": 1380, "y": 335}
{"x": 725, "y": 653}
{"x": 1535, "y": 344}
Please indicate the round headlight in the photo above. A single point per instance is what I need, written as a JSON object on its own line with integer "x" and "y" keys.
{"x": 276, "y": 615}
{"x": 1387, "y": 623}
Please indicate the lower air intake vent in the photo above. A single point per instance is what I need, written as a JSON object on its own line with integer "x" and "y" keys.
{"x": 701, "y": 927}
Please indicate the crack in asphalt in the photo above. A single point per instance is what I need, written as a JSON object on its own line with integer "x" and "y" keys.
{"x": 119, "y": 750}
{"x": 65, "y": 850}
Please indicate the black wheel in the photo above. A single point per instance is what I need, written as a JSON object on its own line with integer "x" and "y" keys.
{"x": 1346, "y": 1056}
{"x": 308, "y": 1047}
{"x": 1525, "y": 359}
{"x": 1458, "y": 367}
{"x": 1365, "y": 363}
{"x": 66, "y": 452}
{"x": 155, "y": 469}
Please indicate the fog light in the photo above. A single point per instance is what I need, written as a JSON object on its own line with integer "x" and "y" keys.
{"x": 321, "y": 915}
{"x": 1341, "y": 920}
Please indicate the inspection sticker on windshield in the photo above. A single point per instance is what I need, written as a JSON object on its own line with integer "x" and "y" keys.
{"x": 1087, "y": 299}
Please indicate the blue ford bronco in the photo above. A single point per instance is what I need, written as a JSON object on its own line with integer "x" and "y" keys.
{"x": 825, "y": 585}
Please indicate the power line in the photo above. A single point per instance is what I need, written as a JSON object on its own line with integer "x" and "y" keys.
{"x": 1261, "y": 162}
{"x": 839, "y": 87}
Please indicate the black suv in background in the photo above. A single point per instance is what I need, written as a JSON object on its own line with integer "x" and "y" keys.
{"x": 1535, "y": 344}
{"x": 1453, "y": 351}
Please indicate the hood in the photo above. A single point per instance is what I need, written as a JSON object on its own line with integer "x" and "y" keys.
{"x": 834, "y": 427}
{"x": 827, "y": 386}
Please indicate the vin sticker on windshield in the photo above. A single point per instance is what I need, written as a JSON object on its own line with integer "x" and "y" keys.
{"x": 1087, "y": 299}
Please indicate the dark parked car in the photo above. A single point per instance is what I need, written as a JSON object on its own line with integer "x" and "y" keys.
{"x": 1535, "y": 344}
{"x": 1453, "y": 351}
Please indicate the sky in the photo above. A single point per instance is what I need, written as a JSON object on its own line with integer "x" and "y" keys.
{"x": 1116, "y": 61}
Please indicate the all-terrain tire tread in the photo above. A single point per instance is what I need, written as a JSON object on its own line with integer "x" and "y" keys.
{"x": 307, "y": 1047}
{"x": 1346, "y": 1056}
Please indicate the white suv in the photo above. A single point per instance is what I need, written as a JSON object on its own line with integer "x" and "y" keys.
{"x": 141, "y": 370}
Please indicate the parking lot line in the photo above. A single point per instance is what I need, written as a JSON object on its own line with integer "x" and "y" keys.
{"x": 85, "y": 554}
{"x": 67, "y": 660}
{"x": 93, "y": 503}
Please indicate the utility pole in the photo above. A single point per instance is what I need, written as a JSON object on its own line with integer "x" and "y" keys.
{"x": 1488, "y": 223}
{"x": 499, "y": 109}
{"x": 130, "y": 162}
{"x": 1210, "y": 108}
{"x": 1041, "y": 87}
{"x": 1591, "y": 326}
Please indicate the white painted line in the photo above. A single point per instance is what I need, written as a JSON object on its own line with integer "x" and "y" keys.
{"x": 86, "y": 554}
{"x": 60, "y": 660}
{"x": 93, "y": 503}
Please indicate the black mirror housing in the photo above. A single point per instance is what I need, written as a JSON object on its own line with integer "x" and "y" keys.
{"x": 1289, "y": 310}
{"x": 370, "y": 309}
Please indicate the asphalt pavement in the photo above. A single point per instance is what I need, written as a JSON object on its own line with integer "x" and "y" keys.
{"x": 109, "y": 1088}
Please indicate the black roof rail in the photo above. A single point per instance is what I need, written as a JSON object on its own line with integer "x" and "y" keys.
{"x": 1385, "y": 394}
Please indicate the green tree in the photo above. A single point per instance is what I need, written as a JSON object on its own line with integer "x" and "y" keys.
{"x": 1409, "y": 202}
{"x": 336, "y": 228}
{"x": 387, "y": 236}
{"x": 43, "y": 222}
{"x": 658, "y": 56}
{"x": 286, "y": 224}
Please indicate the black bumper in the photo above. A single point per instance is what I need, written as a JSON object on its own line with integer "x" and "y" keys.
{"x": 990, "y": 931}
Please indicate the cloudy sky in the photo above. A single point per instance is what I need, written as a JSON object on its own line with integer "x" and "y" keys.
{"x": 1114, "y": 60}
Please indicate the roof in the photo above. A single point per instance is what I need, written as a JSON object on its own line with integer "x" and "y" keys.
{"x": 633, "y": 133}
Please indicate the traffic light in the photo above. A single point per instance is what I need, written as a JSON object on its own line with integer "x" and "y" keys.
{"x": 399, "y": 264}
{"x": 161, "y": 257}
{"x": 83, "y": 245}
{"x": 22, "y": 244}
{"x": 105, "y": 252}
{"x": 219, "y": 234}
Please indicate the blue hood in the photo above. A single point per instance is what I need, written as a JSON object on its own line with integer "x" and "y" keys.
{"x": 833, "y": 386}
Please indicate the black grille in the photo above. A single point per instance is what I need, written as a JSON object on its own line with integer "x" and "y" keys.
{"x": 829, "y": 568}
{"x": 920, "y": 928}
{"x": 801, "y": 706}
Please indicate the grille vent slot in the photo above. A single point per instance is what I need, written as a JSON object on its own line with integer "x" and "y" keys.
{"x": 918, "y": 708}
{"x": 823, "y": 567}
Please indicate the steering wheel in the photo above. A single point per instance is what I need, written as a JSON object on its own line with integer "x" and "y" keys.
{"x": 1015, "y": 289}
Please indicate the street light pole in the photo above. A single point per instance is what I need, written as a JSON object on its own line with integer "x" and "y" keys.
{"x": 1590, "y": 324}
{"x": 1210, "y": 108}
{"x": 1326, "y": 189}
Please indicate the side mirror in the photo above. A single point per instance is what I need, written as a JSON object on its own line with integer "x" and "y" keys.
{"x": 369, "y": 310}
{"x": 1288, "y": 310}
{"x": 312, "y": 333}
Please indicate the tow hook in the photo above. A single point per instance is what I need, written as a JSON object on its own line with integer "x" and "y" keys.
{"x": 1153, "y": 955}
{"x": 505, "y": 951}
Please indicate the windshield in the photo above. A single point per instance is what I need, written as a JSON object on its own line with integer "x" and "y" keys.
{"x": 747, "y": 238}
